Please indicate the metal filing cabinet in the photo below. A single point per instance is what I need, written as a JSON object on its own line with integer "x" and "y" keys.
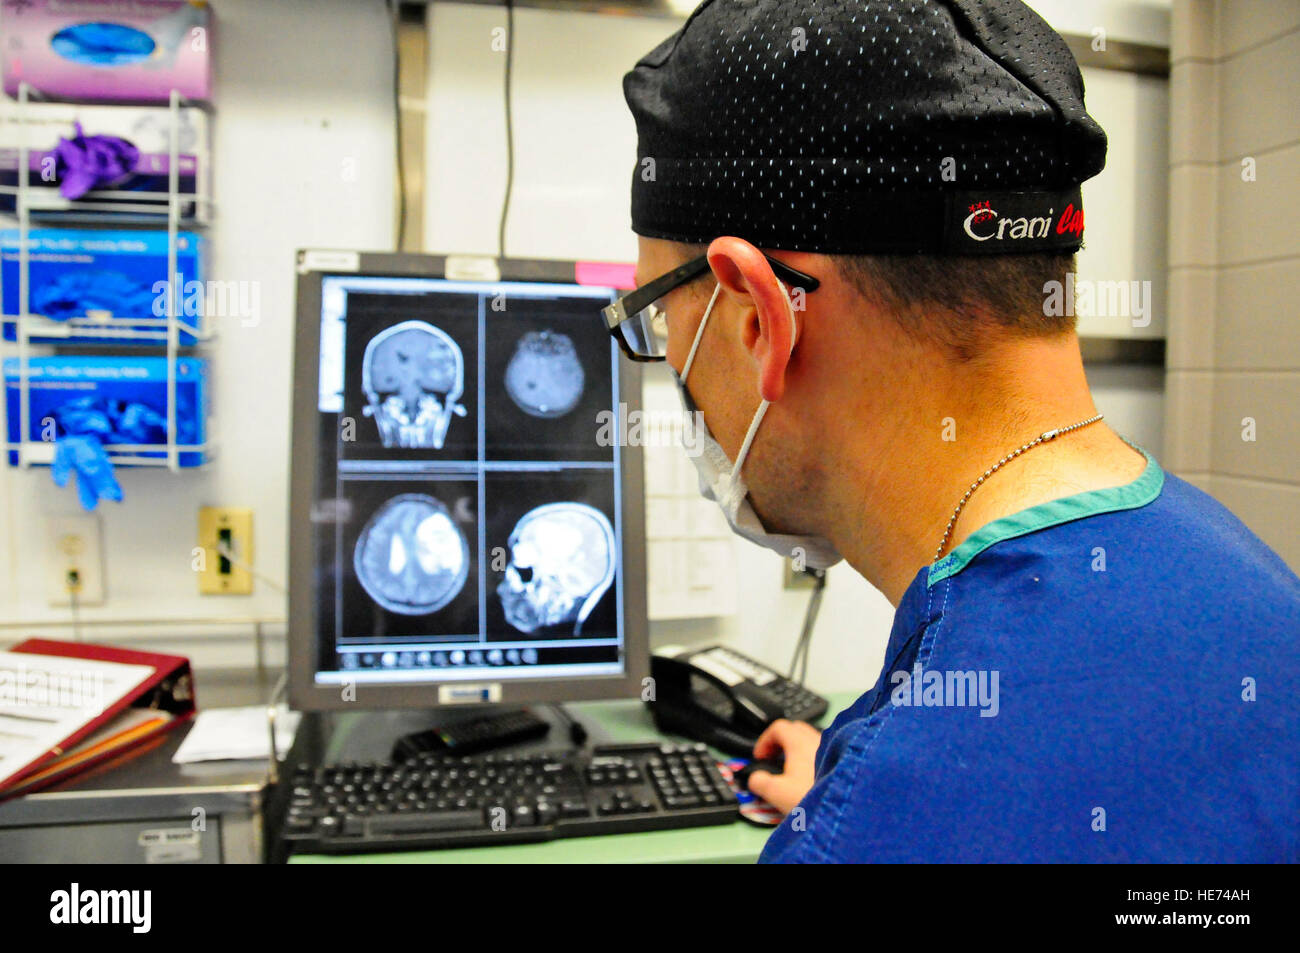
{"x": 141, "y": 810}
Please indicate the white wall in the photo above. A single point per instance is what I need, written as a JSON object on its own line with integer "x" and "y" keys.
{"x": 1126, "y": 204}
{"x": 1136, "y": 21}
{"x": 301, "y": 87}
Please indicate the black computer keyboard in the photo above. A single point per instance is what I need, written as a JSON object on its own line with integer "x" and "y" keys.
{"x": 443, "y": 801}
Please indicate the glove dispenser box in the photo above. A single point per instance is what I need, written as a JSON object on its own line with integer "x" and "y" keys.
{"x": 102, "y": 287}
{"x": 137, "y": 186}
{"x": 107, "y": 50}
{"x": 120, "y": 400}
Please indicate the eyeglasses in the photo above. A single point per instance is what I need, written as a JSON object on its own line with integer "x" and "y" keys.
{"x": 637, "y": 320}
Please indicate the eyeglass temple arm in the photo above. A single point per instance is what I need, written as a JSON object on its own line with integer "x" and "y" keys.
{"x": 648, "y": 294}
{"x": 792, "y": 276}
{"x": 697, "y": 266}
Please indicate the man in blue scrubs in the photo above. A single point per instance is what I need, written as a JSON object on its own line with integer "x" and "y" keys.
{"x": 856, "y": 223}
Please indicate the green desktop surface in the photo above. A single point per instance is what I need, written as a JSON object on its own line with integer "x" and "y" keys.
{"x": 621, "y": 721}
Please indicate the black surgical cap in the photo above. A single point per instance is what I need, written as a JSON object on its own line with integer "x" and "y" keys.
{"x": 946, "y": 127}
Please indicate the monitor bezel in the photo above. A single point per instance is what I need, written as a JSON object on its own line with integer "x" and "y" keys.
{"x": 305, "y": 694}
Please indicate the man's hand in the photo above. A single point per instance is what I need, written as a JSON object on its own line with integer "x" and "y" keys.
{"x": 798, "y": 741}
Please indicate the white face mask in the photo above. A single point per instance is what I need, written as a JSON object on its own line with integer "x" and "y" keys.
{"x": 720, "y": 479}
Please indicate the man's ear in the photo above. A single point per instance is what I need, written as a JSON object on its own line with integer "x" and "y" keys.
{"x": 768, "y": 329}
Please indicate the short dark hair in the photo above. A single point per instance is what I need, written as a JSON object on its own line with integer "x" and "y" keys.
{"x": 956, "y": 301}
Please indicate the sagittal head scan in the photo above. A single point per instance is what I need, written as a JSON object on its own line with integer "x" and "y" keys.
{"x": 544, "y": 377}
{"x": 413, "y": 375}
{"x": 411, "y": 557}
{"x": 561, "y": 562}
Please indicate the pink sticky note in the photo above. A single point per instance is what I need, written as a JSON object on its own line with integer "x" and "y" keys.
{"x": 606, "y": 274}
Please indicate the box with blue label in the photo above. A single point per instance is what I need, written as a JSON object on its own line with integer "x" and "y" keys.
{"x": 104, "y": 287}
{"x": 121, "y": 400}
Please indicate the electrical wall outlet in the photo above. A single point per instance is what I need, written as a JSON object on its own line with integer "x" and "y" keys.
{"x": 228, "y": 529}
{"x": 74, "y": 561}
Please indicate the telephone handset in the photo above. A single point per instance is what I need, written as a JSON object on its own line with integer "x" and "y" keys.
{"x": 723, "y": 698}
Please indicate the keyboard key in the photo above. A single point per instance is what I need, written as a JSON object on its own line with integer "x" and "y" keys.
{"x": 430, "y": 821}
{"x": 574, "y": 808}
{"x": 682, "y": 801}
{"x": 522, "y": 816}
{"x": 546, "y": 813}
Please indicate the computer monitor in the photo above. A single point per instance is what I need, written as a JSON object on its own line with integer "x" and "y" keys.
{"x": 462, "y": 528}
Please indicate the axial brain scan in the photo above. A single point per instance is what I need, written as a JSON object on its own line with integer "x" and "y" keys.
{"x": 411, "y": 557}
{"x": 413, "y": 375}
{"x": 544, "y": 377}
{"x": 562, "y": 558}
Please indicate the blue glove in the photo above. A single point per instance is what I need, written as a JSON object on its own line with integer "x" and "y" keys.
{"x": 73, "y": 294}
{"x": 85, "y": 416}
{"x": 103, "y": 44}
{"x": 86, "y": 455}
{"x": 85, "y": 425}
{"x": 112, "y": 421}
{"x": 138, "y": 423}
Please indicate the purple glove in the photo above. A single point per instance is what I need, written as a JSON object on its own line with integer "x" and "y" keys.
{"x": 87, "y": 162}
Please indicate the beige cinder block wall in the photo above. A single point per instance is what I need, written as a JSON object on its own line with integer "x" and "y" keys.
{"x": 1233, "y": 380}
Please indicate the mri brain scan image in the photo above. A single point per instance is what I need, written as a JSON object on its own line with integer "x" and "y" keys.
{"x": 411, "y": 557}
{"x": 413, "y": 375}
{"x": 562, "y": 558}
{"x": 544, "y": 377}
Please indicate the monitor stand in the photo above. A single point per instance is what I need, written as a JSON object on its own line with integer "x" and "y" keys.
{"x": 490, "y": 731}
{"x": 369, "y": 736}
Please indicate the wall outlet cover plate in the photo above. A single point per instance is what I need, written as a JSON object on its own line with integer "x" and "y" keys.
{"x": 218, "y": 575}
{"x": 73, "y": 543}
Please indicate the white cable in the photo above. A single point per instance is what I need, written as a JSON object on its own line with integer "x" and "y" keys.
{"x": 225, "y": 550}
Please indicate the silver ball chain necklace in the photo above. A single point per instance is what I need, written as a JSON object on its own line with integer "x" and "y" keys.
{"x": 1043, "y": 437}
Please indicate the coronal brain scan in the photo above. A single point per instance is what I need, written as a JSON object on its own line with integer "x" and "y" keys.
{"x": 562, "y": 558}
{"x": 411, "y": 557}
{"x": 544, "y": 377}
{"x": 413, "y": 375}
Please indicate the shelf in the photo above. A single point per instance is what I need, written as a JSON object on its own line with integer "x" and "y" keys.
{"x": 152, "y": 334}
{"x": 44, "y": 330}
{"x": 41, "y": 453}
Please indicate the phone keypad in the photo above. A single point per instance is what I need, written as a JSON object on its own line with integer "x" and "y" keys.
{"x": 795, "y": 699}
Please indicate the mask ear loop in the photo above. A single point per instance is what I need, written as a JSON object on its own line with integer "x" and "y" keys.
{"x": 794, "y": 322}
{"x": 762, "y": 408}
{"x": 695, "y": 345}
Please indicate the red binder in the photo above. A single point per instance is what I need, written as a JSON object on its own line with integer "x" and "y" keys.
{"x": 169, "y": 690}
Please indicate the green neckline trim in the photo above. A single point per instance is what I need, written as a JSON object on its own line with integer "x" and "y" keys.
{"x": 1052, "y": 513}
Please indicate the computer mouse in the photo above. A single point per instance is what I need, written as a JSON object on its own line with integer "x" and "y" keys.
{"x": 775, "y": 766}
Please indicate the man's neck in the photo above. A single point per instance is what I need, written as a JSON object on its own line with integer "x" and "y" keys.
{"x": 892, "y": 523}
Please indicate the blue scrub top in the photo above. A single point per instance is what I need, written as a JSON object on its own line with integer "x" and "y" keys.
{"x": 1108, "y": 677}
